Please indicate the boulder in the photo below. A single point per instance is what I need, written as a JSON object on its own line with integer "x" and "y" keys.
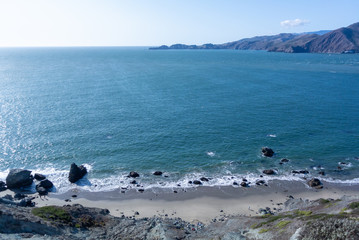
{"x": 157, "y": 173}
{"x": 204, "y": 179}
{"x": 284, "y": 160}
{"x": 19, "y": 178}
{"x": 76, "y": 173}
{"x": 196, "y": 182}
{"x": 269, "y": 172}
{"x": 46, "y": 184}
{"x": 133, "y": 174}
{"x": 2, "y": 186}
{"x": 235, "y": 183}
{"x": 321, "y": 173}
{"x": 315, "y": 183}
{"x": 268, "y": 152}
{"x": 39, "y": 177}
{"x": 260, "y": 182}
{"x": 244, "y": 184}
{"x": 300, "y": 172}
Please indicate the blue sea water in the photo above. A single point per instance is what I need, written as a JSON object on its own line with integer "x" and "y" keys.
{"x": 186, "y": 113}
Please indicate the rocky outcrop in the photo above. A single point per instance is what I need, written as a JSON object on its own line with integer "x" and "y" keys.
{"x": 269, "y": 171}
{"x": 18, "y": 178}
{"x": 76, "y": 173}
{"x": 133, "y": 175}
{"x": 315, "y": 183}
{"x": 267, "y": 152}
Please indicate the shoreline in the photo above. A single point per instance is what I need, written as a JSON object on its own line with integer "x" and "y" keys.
{"x": 202, "y": 204}
{"x": 282, "y": 210}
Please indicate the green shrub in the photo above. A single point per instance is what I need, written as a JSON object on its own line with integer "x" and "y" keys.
{"x": 52, "y": 213}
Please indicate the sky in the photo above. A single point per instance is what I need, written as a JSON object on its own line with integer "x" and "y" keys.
{"x": 158, "y": 22}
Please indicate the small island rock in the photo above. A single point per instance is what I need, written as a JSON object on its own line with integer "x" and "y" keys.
{"x": 76, "y": 173}
{"x": 268, "y": 152}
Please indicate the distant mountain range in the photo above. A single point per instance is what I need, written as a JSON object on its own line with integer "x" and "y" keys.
{"x": 342, "y": 40}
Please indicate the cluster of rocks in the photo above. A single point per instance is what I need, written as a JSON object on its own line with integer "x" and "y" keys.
{"x": 315, "y": 182}
{"x": 22, "y": 178}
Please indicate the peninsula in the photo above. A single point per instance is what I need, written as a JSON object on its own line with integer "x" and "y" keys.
{"x": 342, "y": 40}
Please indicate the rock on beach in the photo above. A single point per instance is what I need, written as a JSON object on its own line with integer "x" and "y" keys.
{"x": 19, "y": 178}
{"x": 315, "y": 183}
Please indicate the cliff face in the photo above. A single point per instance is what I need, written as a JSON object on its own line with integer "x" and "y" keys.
{"x": 342, "y": 40}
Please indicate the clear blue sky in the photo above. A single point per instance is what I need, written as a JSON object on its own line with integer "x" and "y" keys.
{"x": 157, "y": 22}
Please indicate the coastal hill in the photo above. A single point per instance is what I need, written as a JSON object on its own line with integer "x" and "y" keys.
{"x": 342, "y": 40}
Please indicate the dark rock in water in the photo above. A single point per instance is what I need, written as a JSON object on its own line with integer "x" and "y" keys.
{"x": 268, "y": 152}
{"x": 73, "y": 196}
{"x": 284, "y": 160}
{"x": 2, "y": 186}
{"x": 133, "y": 182}
{"x": 197, "y": 182}
{"x": 260, "y": 182}
{"x": 269, "y": 172}
{"x": 244, "y": 180}
{"x": 19, "y": 196}
{"x": 41, "y": 190}
{"x": 133, "y": 174}
{"x": 339, "y": 168}
{"x": 315, "y": 183}
{"x": 190, "y": 182}
{"x": 244, "y": 184}
{"x": 235, "y": 183}
{"x": 300, "y": 172}
{"x": 157, "y": 173}
{"x": 46, "y": 184}
{"x": 76, "y": 173}
{"x": 19, "y": 178}
{"x": 39, "y": 177}
{"x": 141, "y": 190}
{"x": 203, "y": 179}
{"x": 321, "y": 173}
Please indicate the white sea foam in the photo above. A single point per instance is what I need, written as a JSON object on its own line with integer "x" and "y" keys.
{"x": 114, "y": 182}
{"x": 272, "y": 135}
{"x": 211, "y": 154}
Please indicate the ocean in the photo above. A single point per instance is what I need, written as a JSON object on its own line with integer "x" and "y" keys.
{"x": 188, "y": 113}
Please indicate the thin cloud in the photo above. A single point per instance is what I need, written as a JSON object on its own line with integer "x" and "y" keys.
{"x": 293, "y": 23}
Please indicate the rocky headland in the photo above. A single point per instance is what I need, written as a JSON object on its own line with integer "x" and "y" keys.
{"x": 342, "y": 40}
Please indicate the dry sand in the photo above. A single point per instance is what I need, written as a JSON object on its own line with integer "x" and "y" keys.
{"x": 201, "y": 203}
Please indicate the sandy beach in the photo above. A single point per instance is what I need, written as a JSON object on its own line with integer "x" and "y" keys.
{"x": 202, "y": 203}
